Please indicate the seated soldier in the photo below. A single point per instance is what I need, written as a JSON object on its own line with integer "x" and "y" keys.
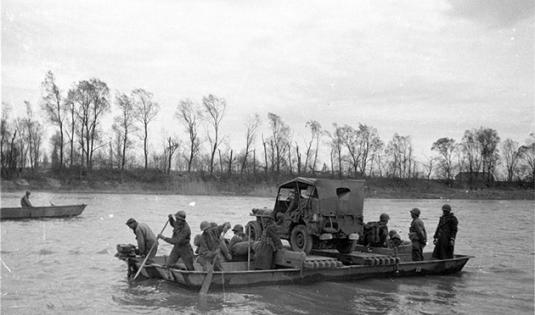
{"x": 394, "y": 240}
{"x": 376, "y": 233}
{"x": 239, "y": 236}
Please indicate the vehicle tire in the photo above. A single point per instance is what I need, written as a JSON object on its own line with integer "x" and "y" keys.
{"x": 345, "y": 246}
{"x": 300, "y": 240}
{"x": 256, "y": 230}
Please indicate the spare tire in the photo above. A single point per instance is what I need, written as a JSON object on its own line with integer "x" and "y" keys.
{"x": 256, "y": 230}
{"x": 300, "y": 240}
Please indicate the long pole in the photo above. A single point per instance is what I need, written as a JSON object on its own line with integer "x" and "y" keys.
{"x": 148, "y": 254}
{"x": 249, "y": 248}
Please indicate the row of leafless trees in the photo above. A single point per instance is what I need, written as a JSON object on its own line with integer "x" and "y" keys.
{"x": 81, "y": 141}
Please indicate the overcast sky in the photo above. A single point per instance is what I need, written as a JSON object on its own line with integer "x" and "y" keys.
{"x": 427, "y": 69}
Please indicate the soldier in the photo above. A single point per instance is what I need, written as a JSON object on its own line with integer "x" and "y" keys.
{"x": 376, "y": 233}
{"x": 417, "y": 235}
{"x": 180, "y": 240}
{"x": 267, "y": 246}
{"x": 25, "y": 200}
{"x": 444, "y": 238}
{"x": 145, "y": 239}
{"x": 239, "y": 236}
{"x": 211, "y": 245}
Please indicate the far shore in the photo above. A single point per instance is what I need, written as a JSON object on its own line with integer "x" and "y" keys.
{"x": 374, "y": 189}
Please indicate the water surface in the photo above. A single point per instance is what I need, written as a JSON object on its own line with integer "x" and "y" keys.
{"x": 65, "y": 266}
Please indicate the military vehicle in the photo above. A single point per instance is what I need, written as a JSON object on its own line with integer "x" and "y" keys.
{"x": 316, "y": 213}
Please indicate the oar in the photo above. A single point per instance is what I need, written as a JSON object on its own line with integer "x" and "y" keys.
{"x": 208, "y": 279}
{"x": 249, "y": 248}
{"x": 148, "y": 254}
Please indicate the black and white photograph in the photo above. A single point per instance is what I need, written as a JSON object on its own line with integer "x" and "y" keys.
{"x": 267, "y": 157}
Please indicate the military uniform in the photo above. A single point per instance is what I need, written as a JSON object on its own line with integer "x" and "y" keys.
{"x": 181, "y": 241}
{"x": 445, "y": 235}
{"x": 269, "y": 243}
{"x": 417, "y": 235}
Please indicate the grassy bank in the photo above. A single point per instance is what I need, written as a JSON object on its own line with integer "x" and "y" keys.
{"x": 155, "y": 182}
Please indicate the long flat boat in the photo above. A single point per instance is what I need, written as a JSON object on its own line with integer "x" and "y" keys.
{"x": 17, "y": 213}
{"x": 325, "y": 267}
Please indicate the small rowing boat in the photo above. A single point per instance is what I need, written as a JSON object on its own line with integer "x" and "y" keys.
{"x": 17, "y": 213}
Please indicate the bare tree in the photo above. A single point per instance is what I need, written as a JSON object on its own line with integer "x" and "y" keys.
{"x": 316, "y": 131}
{"x": 336, "y": 144}
{"x": 399, "y": 149}
{"x": 124, "y": 124}
{"x": 279, "y": 139}
{"x": 527, "y": 153}
{"x": 54, "y": 108}
{"x": 350, "y": 138}
{"x": 252, "y": 126}
{"x": 172, "y": 144}
{"x": 471, "y": 153}
{"x": 91, "y": 102}
{"x": 511, "y": 156}
{"x": 215, "y": 107}
{"x": 489, "y": 139}
{"x": 190, "y": 114}
{"x": 145, "y": 111}
{"x": 445, "y": 148}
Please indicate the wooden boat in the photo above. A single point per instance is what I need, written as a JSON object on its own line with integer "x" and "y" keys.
{"x": 355, "y": 266}
{"x": 17, "y": 213}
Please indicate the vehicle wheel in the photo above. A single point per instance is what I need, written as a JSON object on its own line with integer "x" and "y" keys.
{"x": 256, "y": 230}
{"x": 300, "y": 240}
{"x": 345, "y": 246}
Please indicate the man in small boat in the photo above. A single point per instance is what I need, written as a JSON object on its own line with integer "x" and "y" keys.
{"x": 376, "y": 233}
{"x": 239, "y": 235}
{"x": 212, "y": 246}
{"x": 181, "y": 241}
{"x": 267, "y": 246}
{"x": 145, "y": 239}
{"x": 197, "y": 239}
{"x": 444, "y": 238}
{"x": 25, "y": 200}
{"x": 417, "y": 235}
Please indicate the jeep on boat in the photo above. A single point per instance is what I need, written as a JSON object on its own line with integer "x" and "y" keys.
{"x": 316, "y": 213}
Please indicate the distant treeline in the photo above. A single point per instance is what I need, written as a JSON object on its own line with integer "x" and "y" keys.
{"x": 82, "y": 142}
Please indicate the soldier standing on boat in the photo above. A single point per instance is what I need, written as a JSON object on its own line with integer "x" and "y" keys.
{"x": 25, "y": 200}
{"x": 211, "y": 245}
{"x": 180, "y": 240}
{"x": 145, "y": 239}
{"x": 444, "y": 238}
{"x": 267, "y": 246}
{"x": 417, "y": 235}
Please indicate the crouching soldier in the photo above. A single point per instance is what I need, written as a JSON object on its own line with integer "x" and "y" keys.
{"x": 147, "y": 245}
{"x": 180, "y": 240}
{"x": 210, "y": 247}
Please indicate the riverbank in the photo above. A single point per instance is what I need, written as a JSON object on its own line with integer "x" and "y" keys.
{"x": 381, "y": 188}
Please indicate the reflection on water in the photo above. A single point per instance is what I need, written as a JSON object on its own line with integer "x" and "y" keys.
{"x": 67, "y": 265}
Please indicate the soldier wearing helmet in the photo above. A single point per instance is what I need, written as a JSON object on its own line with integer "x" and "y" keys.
{"x": 180, "y": 239}
{"x": 444, "y": 238}
{"x": 417, "y": 235}
{"x": 376, "y": 233}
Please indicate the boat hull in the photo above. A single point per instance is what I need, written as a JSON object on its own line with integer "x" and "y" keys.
{"x": 237, "y": 275}
{"x": 41, "y": 212}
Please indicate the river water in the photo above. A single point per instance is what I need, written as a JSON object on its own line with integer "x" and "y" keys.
{"x": 67, "y": 266}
